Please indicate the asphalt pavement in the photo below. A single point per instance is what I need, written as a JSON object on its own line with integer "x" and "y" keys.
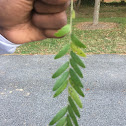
{"x": 26, "y": 90}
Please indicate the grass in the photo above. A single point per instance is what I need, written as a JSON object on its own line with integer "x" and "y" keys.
{"x": 97, "y": 41}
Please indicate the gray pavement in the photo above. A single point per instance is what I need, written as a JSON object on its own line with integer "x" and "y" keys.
{"x": 26, "y": 90}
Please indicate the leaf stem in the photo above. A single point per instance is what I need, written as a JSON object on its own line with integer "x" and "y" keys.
{"x": 71, "y": 24}
{"x": 71, "y": 19}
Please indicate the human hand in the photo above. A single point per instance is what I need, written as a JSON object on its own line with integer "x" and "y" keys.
{"x": 23, "y": 21}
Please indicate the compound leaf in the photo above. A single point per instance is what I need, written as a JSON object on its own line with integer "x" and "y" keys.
{"x": 78, "y": 90}
{"x": 61, "y": 88}
{"x": 69, "y": 77}
{"x": 76, "y": 68}
{"x": 74, "y": 107}
{"x": 77, "y": 42}
{"x": 77, "y": 59}
{"x": 73, "y": 117}
{"x": 61, "y": 122}
{"x": 60, "y": 81}
{"x": 77, "y": 50}
{"x": 75, "y": 78}
{"x": 63, "y": 31}
{"x": 63, "y": 51}
{"x": 75, "y": 96}
{"x": 61, "y": 70}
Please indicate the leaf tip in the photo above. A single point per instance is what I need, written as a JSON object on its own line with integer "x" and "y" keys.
{"x": 54, "y": 96}
{"x": 54, "y": 89}
{"x": 52, "y": 76}
{"x": 55, "y": 57}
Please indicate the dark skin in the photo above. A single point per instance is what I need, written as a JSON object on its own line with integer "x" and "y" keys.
{"x": 23, "y": 21}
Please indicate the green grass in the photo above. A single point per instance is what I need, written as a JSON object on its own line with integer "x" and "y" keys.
{"x": 97, "y": 41}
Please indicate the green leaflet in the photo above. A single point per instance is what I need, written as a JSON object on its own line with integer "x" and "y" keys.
{"x": 63, "y": 51}
{"x": 69, "y": 123}
{"x": 77, "y": 50}
{"x": 58, "y": 116}
{"x": 74, "y": 107}
{"x": 75, "y": 96}
{"x": 60, "y": 81}
{"x": 61, "y": 88}
{"x": 63, "y": 31}
{"x": 73, "y": 14}
{"x": 75, "y": 78}
{"x": 77, "y": 59}
{"x": 73, "y": 117}
{"x": 77, "y": 42}
{"x": 61, "y": 70}
{"x": 78, "y": 90}
{"x": 76, "y": 68}
{"x": 61, "y": 122}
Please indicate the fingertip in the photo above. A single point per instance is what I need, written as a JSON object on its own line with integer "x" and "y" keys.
{"x": 50, "y": 33}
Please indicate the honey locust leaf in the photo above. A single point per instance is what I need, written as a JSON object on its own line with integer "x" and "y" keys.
{"x": 61, "y": 122}
{"x": 73, "y": 117}
{"x": 75, "y": 78}
{"x": 74, "y": 107}
{"x": 77, "y": 59}
{"x": 77, "y": 88}
{"x": 77, "y": 42}
{"x": 69, "y": 123}
{"x": 76, "y": 68}
{"x": 60, "y": 81}
{"x": 58, "y": 116}
{"x": 75, "y": 96}
{"x": 63, "y": 31}
{"x": 63, "y": 51}
{"x": 61, "y": 89}
{"x": 77, "y": 50}
{"x": 73, "y": 14}
{"x": 61, "y": 70}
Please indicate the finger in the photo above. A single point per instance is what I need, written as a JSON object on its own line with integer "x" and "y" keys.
{"x": 49, "y": 33}
{"x": 55, "y": 2}
{"x": 43, "y": 8}
{"x": 49, "y": 21}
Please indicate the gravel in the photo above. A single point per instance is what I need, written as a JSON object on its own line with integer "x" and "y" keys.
{"x": 26, "y": 90}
